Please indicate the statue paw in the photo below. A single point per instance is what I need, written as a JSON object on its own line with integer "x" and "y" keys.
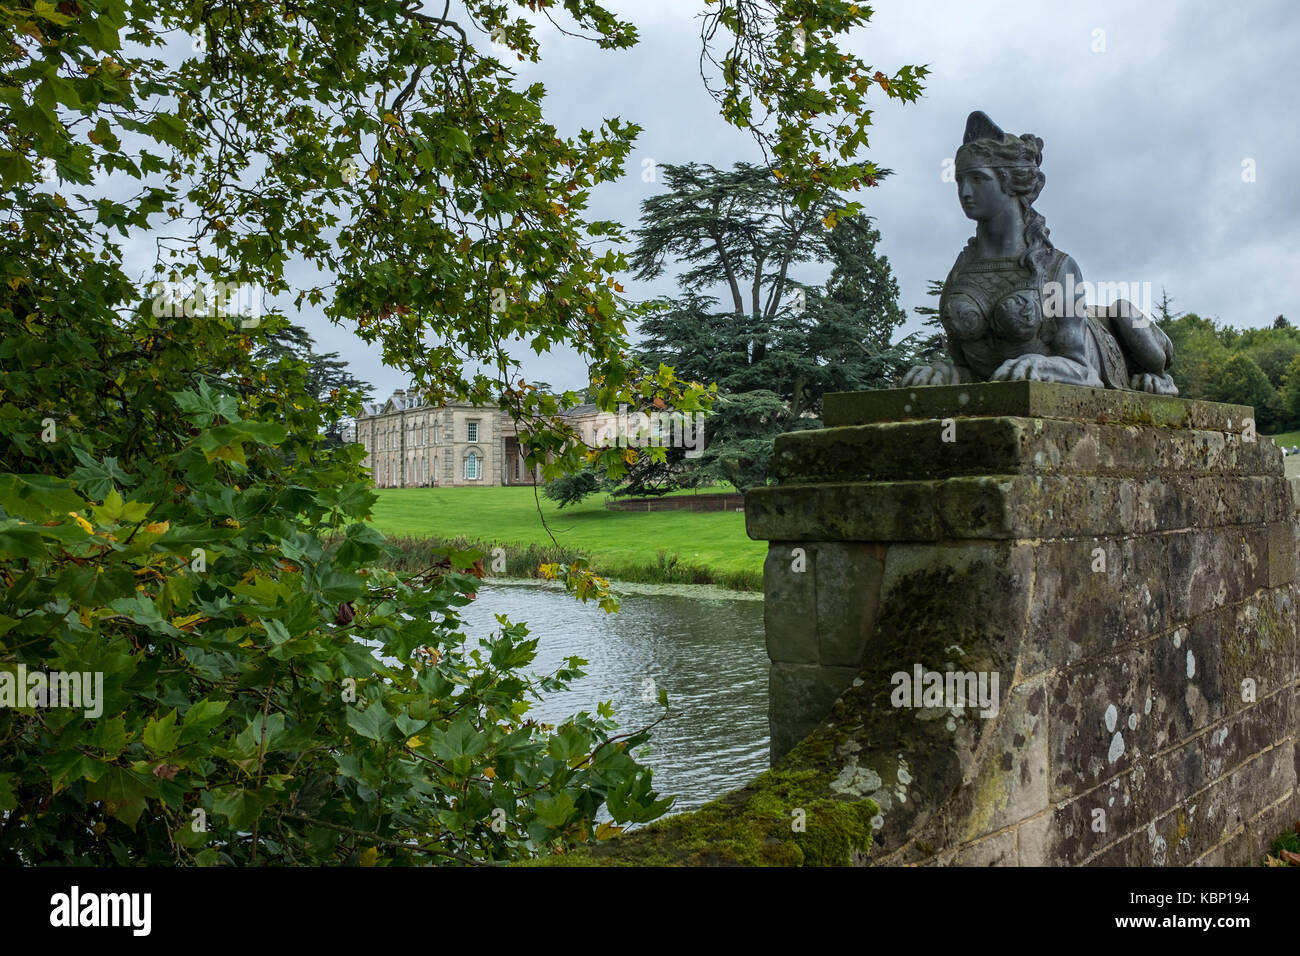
{"x": 1156, "y": 384}
{"x": 1026, "y": 368}
{"x": 1033, "y": 367}
{"x": 940, "y": 373}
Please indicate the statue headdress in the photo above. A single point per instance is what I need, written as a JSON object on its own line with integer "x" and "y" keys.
{"x": 986, "y": 145}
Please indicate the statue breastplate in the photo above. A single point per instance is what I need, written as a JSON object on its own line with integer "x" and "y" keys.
{"x": 991, "y": 299}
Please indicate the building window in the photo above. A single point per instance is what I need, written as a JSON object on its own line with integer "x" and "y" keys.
{"x": 518, "y": 468}
{"x": 471, "y": 431}
{"x": 472, "y": 469}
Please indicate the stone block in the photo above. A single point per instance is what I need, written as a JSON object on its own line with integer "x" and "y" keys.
{"x": 1009, "y": 781}
{"x": 1187, "y": 684}
{"x": 848, "y": 596}
{"x": 958, "y": 605}
{"x": 1259, "y": 650}
{"x": 799, "y": 698}
{"x": 790, "y": 604}
{"x": 895, "y": 511}
{"x": 1265, "y": 827}
{"x": 1093, "y": 822}
{"x": 1088, "y": 604}
{"x": 941, "y": 448}
{"x": 1031, "y": 400}
{"x": 1281, "y": 554}
{"x": 1211, "y": 567}
{"x": 997, "y": 850}
{"x": 1099, "y": 720}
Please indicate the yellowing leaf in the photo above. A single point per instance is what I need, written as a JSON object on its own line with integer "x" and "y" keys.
{"x": 607, "y": 830}
{"x": 369, "y": 856}
{"x": 157, "y": 527}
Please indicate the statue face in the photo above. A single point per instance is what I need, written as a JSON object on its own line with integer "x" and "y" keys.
{"x": 981, "y": 194}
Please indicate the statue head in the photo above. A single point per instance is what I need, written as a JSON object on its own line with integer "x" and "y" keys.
{"x": 998, "y": 172}
{"x": 990, "y": 162}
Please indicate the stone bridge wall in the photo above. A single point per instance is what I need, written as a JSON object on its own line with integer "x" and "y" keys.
{"x": 1122, "y": 564}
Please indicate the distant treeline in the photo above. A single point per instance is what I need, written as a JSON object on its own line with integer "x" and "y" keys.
{"x": 1257, "y": 367}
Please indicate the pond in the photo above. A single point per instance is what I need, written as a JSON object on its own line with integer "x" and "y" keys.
{"x": 704, "y": 646}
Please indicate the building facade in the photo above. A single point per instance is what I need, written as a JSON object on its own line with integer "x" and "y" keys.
{"x": 411, "y": 444}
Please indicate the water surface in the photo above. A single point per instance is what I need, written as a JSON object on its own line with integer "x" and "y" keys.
{"x": 704, "y": 646}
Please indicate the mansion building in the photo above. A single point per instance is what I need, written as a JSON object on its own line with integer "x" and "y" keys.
{"x": 411, "y": 444}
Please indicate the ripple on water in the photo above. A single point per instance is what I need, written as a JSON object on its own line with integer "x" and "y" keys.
{"x": 708, "y": 654}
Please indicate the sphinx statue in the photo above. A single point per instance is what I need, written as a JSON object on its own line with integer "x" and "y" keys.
{"x": 1012, "y": 306}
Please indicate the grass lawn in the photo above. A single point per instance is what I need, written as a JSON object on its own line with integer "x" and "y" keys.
{"x": 619, "y": 544}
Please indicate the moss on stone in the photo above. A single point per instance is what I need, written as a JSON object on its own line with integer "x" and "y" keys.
{"x": 758, "y": 825}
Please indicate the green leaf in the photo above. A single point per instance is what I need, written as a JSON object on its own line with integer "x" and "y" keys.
{"x": 124, "y": 793}
{"x": 555, "y": 811}
{"x": 162, "y": 735}
{"x": 66, "y": 767}
{"x": 38, "y": 497}
{"x": 18, "y": 542}
{"x": 202, "y": 716}
{"x": 239, "y": 805}
{"x": 460, "y": 740}
{"x": 373, "y": 722}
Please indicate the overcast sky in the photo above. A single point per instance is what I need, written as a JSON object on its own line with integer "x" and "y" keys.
{"x": 1170, "y": 130}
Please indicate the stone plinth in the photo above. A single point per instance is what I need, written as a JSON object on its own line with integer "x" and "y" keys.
{"x": 1121, "y": 566}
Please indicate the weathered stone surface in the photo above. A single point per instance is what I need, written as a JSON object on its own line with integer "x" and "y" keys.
{"x": 1235, "y": 851}
{"x": 1213, "y": 567}
{"x": 1147, "y": 708}
{"x": 846, "y": 512}
{"x": 1227, "y": 746}
{"x": 1009, "y": 781}
{"x": 1259, "y": 653}
{"x": 1269, "y": 824}
{"x": 799, "y": 698}
{"x": 997, "y": 850}
{"x": 1029, "y": 399}
{"x": 1010, "y": 506}
{"x": 963, "y": 606}
{"x": 1209, "y": 817}
{"x": 1093, "y": 595}
{"x": 790, "y": 605}
{"x": 1025, "y": 506}
{"x": 1092, "y": 823}
{"x": 1186, "y": 680}
{"x": 898, "y": 451}
{"x": 1281, "y": 554}
{"x": 848, "y": 598}
{"x": 1099, "y": 724}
